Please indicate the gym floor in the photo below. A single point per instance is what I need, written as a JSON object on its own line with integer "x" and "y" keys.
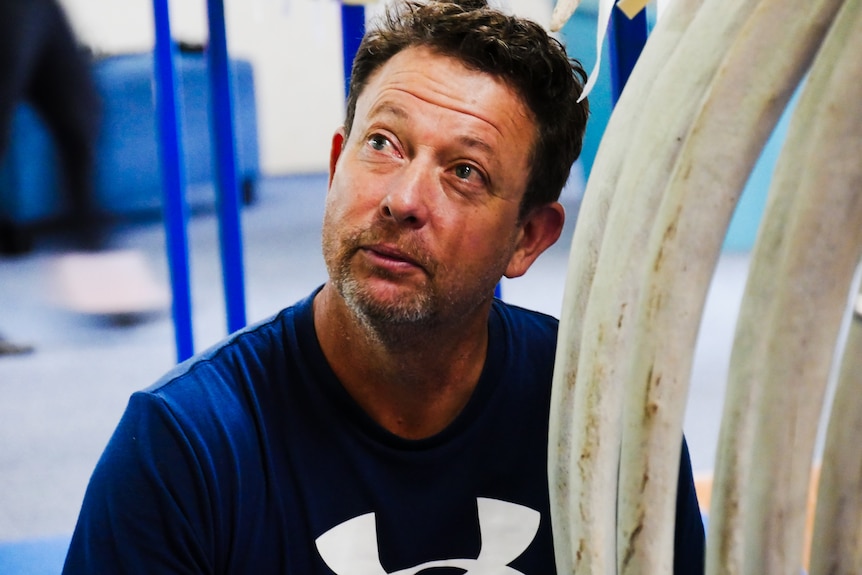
{"x": 62, "y": 401}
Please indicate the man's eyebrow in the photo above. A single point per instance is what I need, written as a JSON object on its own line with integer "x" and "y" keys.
{"x": 388, "y": 109}
{"x": 473, "y": 142}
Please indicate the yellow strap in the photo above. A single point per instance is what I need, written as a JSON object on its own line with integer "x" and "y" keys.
{"x": 631, "y": 8}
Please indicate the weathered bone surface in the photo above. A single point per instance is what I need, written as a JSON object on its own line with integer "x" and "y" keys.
{"x": 563, "y": 10}
{"x": 684, "y": 244}
{"x": 734, "y": 461}
{"x": 835, "y": 548}
{"x": 758, "y": 75}
{"x": 801, "y": 319}
{"x": 588, "y": 235}
{"x": 595, "y": 421}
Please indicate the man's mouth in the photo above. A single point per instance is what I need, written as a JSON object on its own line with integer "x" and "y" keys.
{"x": 391, "y": 258}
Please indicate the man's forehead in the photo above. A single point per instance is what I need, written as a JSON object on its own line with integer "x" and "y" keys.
{"x": 422, "y": 60}
{"x": 441, "y": 80}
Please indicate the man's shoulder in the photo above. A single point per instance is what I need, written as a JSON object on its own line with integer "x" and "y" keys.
{"x": 523, "y": 321}
{"x": 252, "y": 352}
{"x": 523, "y": 339}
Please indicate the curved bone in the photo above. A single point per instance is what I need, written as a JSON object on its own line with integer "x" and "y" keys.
{"x": 594, "y": 416}
{"x": 563, "y": 10}
{"x": 836, "y": 548}
{"x": 582, "y": 262}
{"x": 758, "y": 76}
{"x": 812, "y": 243}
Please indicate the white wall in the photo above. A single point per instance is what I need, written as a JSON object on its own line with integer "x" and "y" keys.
{"x": 294, "y": 46}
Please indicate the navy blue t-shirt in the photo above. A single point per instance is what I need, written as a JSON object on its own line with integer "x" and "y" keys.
{"x": 252, "y": 458}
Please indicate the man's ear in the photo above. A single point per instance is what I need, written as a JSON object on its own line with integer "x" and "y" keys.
{"x": 540, "y": 229}
{"x": 335, "y": 151}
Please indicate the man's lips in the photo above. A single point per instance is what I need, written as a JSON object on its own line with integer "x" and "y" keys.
{"x": 390, "y": 257}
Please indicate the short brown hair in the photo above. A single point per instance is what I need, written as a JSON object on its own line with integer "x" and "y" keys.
{"x": 514, "y": 49}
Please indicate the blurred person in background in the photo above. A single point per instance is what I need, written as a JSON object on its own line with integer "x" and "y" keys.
{"x": 42, "y": 63}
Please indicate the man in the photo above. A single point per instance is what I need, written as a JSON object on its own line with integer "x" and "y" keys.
{"x": 396, "y": 420}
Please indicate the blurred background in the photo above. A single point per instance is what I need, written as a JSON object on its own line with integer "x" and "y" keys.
{"x": 83, "y": 332}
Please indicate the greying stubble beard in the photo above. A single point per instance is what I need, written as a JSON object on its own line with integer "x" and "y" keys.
{"x": 399, "y": 322}
{"x": 415, "y": 310}
{"x": 385, "y": 319}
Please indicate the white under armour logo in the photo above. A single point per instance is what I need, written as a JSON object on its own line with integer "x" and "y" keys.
{"x": 507, "y": 530}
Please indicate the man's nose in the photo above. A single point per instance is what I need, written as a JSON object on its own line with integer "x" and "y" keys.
{"x": 408, "y": 200}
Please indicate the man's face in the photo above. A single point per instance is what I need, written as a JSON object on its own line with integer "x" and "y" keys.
{"x": 422, "y": 211}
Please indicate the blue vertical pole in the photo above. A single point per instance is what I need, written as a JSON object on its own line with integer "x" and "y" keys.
{"x": 626, "y": 41}
{"x": 173, "y": 180}
{"x": 230, "y": 235}
{"x": 352, "y": 30}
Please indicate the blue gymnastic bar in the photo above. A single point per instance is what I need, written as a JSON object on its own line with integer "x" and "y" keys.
{"x": 173, "y": 180}
{"x": 352, "y": 30}
{"x": 626, "y": 39}
{"x": 225, "y": 157}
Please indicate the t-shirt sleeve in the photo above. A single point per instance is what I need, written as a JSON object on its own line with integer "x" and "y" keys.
{"x": 690, "y": 540}
{"x": 146, "y": 506}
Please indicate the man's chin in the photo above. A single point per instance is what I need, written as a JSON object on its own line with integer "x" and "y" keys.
{"x": 384, "y": 303}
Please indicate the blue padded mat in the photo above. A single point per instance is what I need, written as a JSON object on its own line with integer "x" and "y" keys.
{"x": 39, "y": 556}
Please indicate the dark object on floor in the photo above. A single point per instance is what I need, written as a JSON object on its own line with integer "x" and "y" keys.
{"x": 9, "y": 348}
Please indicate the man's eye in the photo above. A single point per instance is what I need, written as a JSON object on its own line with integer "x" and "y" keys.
{"x": 464, "y": 171}
{"x": 469, "y": 173}
{"x": 378, "y": 142}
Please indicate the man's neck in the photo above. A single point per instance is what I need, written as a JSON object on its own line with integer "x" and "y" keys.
{"x": 413, "y": 385}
